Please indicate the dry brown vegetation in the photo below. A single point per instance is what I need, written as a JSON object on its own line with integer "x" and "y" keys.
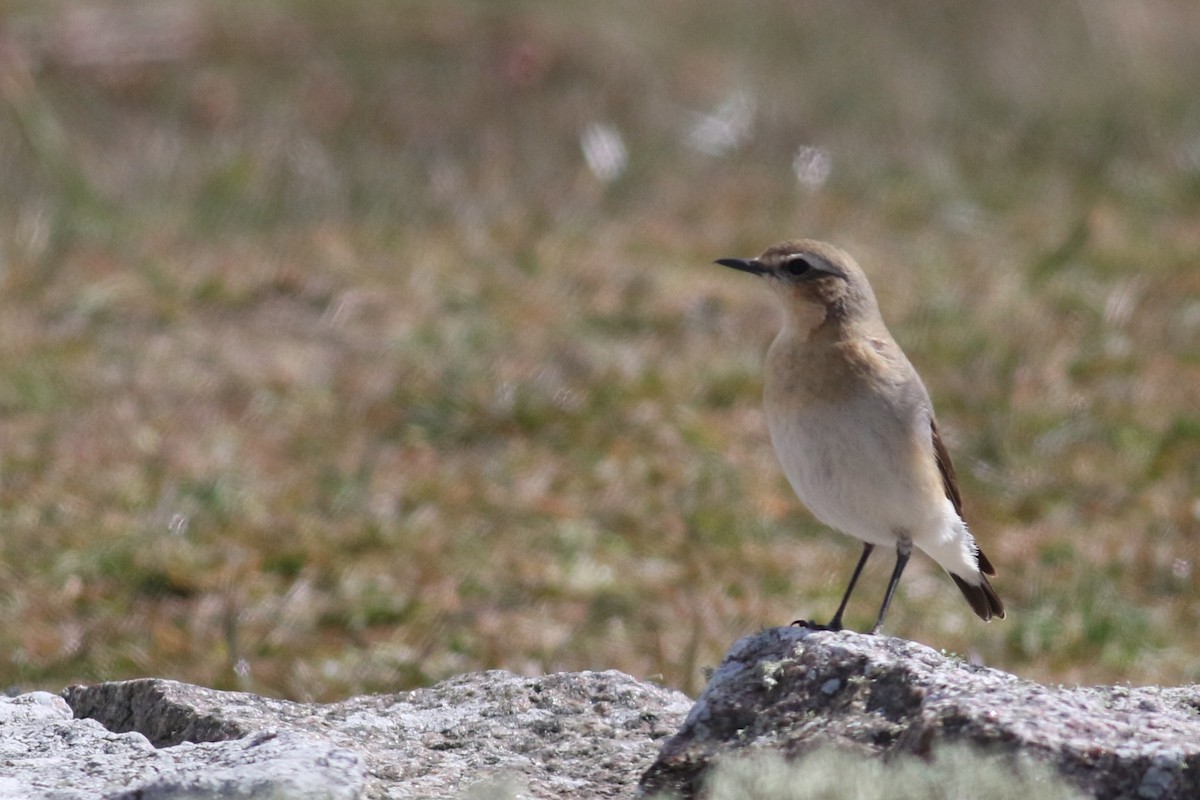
{"x": 344, "y": 347}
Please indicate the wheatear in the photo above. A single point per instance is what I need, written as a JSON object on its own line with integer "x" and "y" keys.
{"x": 853, "y": 426}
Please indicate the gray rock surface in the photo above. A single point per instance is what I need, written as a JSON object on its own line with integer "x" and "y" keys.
{"x": 577, "y": 735}
{"x": 791, "y": 690}
{"x": 46, "y": 753}
{"x": 590, "y": 735}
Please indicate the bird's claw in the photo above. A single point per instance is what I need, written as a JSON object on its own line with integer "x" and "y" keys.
{"x": 815, "y": 626}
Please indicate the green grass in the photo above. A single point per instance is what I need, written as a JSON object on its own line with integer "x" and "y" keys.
{"x": 327, "y": 365}
{"x": 950, "y": 771}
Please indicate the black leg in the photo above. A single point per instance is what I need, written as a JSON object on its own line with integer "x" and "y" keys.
{"x": 835, "y": 624}
{"x": 903, "y": 550}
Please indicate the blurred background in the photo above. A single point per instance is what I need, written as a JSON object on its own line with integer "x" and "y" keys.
{"x": 345, "y": 347}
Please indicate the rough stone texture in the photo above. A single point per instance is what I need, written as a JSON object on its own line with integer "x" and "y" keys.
{"x": 46, "y": 753}
{"x": 589, "y": 735}
{"x": 577, "y": 735}
{"x": 791, "y": 690}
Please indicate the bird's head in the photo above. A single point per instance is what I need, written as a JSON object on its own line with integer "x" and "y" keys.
{"x": 818, "y": 283}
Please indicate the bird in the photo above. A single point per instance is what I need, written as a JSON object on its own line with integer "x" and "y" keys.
{"x": 853, "y": 427}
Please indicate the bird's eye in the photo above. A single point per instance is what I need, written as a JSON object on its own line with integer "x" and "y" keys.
{"x": 796, "y": 266}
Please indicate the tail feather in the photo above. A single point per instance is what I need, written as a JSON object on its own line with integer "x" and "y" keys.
{"x": 985, "y": 566}
{"x": 982, "y": 597}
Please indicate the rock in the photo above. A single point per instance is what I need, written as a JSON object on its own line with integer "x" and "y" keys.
{"x": 792, "y": 691}
{"x": 46, "y": 753}
{"x": 806, "y": 706}
{"x": 577, "y": 735}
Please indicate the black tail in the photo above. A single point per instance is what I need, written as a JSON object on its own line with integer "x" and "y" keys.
{"x": 983, "y": 598}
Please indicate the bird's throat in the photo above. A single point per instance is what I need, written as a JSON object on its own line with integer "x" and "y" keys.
{"x": 802, "y": 317}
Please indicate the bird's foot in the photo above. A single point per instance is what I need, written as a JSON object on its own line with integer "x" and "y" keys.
{"x": 817, "y": 626}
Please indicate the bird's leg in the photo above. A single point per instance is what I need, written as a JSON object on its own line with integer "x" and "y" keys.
{"x": 835, "y": 624}
{"x": 903, "y": 551}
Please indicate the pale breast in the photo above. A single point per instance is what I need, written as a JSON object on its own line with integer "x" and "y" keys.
{"x": 860, "y": 465}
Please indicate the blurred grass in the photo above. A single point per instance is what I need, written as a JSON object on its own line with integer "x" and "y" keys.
{"x": 347, "y": 347}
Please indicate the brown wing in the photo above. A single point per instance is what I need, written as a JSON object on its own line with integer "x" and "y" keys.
{"x": 949, "y": 480}
{"x": 950, "y": 484}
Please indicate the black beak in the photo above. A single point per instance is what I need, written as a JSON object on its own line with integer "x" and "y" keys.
{"x": 751, "y": 265}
